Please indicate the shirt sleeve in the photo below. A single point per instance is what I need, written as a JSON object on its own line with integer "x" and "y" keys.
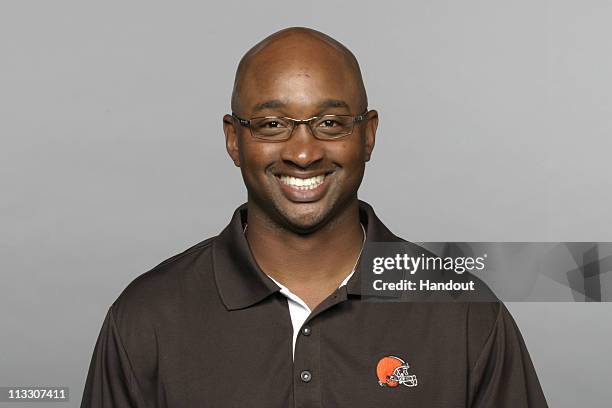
{"x": 110, "y": 380}
{"x": 503, "y": 375}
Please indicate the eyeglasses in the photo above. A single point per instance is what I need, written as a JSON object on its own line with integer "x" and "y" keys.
{"x": 280, "y": 129}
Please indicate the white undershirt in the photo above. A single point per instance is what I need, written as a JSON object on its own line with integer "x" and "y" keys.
{"x": 298, "y": 309}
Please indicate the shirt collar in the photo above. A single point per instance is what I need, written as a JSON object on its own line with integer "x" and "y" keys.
{"x": 240, "y": 281}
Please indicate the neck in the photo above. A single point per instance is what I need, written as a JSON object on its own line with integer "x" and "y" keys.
{"x": 306, "y": 263}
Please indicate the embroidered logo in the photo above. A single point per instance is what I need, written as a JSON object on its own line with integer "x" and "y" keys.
{"x": 393, "y": 371}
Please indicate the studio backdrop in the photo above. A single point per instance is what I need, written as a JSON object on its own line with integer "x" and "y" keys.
{"x": 495, "y": 124}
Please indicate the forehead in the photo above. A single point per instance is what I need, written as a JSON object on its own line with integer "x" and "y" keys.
{"x": 301, "y": 77}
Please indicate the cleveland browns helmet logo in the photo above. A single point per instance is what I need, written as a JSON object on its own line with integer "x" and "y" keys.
{"x": 393, "y": 371}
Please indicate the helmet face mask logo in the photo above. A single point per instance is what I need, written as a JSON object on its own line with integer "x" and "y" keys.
{"x": 393, "y": 371}
{"x": 402, "y": 376}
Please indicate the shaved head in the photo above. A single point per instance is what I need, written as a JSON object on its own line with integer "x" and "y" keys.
{"x": 297, "y": 47}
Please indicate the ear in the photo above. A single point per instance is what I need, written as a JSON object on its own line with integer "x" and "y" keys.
{"x": 371, "y": 125}
{"x": 231, "y": 139}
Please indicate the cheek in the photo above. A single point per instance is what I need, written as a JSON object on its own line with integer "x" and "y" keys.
{"x": 256, "y": 156}
{"x": 348, "y": 154}
{"x": 351, "y": 158}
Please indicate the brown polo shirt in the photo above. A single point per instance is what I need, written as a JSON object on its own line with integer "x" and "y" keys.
{"x": 207, "y": 328}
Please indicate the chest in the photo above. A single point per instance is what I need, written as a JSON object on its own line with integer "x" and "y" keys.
{"x": 352, "y": 355}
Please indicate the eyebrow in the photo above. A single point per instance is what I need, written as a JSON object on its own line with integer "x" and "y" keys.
{"x": 333, "y": 103}
{"x": 277, "y": 103}
{"x": 271, "y": 104}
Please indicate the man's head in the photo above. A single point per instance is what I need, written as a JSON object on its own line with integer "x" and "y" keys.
{"x": 303, "y": 182}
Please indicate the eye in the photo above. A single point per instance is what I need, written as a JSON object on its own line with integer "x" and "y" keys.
{"x": 328, "y": 123}
{"x": 272, "y": 124}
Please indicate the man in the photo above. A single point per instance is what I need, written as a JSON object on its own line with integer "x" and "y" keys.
{"x": 270, "y": 313}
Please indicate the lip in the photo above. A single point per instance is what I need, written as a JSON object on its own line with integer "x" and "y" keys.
{"x": 304, "y": 196}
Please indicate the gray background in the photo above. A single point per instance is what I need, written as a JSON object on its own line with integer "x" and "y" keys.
{"x": 495, "y": 126}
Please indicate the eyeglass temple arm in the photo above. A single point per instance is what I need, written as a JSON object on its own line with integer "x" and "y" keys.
{"x": 243, "y": 122}
{"x": 361, "y": 117}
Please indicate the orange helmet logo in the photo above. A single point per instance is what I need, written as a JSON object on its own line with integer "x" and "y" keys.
{"x": 393, "y": 371}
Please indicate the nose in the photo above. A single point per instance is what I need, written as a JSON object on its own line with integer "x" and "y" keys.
{"x": 303, "y": 149}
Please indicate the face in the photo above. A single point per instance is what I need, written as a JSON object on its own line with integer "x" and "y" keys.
{"x": 303, "y": 182}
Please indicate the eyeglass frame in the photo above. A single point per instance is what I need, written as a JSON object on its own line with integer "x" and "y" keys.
{"x": 296, "y": 122}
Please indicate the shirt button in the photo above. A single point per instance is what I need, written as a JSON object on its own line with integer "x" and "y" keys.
{"x": 306, "y": 330}
{"x": 306, "y": 376}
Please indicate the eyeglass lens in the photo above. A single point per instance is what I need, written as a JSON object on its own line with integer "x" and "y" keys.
{"x": 324, "y": 127}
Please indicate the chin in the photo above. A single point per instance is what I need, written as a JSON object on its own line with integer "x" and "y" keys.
{"x": 307, "y": 219}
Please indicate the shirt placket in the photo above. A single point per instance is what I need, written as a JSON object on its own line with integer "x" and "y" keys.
{"x": 307, "y": 374}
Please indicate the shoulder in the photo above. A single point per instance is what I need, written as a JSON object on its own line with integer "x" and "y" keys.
{"x": 482, "y": 322}
{"x": 147, "y": 308}
{"x": 479, "y": 309}
{"x": 161, "y": 288}
{"x": 481, "y": 316}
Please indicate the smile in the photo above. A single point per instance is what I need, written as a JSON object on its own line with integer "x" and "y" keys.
{"x": 305, "y": 189}
{"x": 303, "y": 183}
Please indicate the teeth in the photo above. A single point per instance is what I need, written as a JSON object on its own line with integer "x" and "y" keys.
{"x": 303, "y": 184}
